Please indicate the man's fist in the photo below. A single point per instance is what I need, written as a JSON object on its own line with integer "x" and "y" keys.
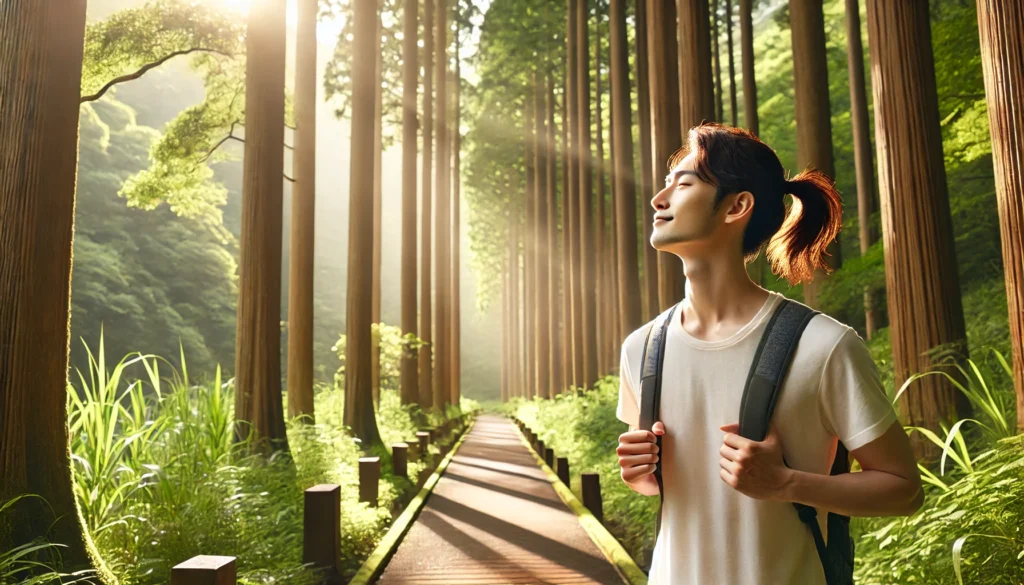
{"x": 638, "y": 454}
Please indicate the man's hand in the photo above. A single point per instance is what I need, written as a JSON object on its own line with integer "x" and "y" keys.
{"x": 638, "y": 454}
{"x": 754, "y": 468}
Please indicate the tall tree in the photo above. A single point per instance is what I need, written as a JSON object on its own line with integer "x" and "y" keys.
{"x": 646, "y": 184}
{"x": 359, "y": 413}
{"x": 258, "y": 404}
{"x": 625, "y": 188}
{"x": 601, "y": 256}
{"x": 506, "y": 329}
{"x": 378, "y": 148}
{"x": 715, "y": 53}
{"x": 542, "y": 314}
{"x": 456, "y": 343}
{"x": 568, "y": 195}
{"x": 1001, "y": 28}
{"x": 529, "y": 243}
{"x": 303, "y": 220}
{"x": 862, "y": 149}
{"x": 747, "y": 64}
{"x": 516, "y": 377}
{"x": 442, "y": 236}
{"x": 922, "y": 283}
{"x": 41, "y": 47}
{"x": 813, "y": 116}
{"x": 733, "y": 120}
{"x": 408, "y": 379}
{"x": 426, "y": 394}
{"x": 555, "y": 362}
{"x": 586, "y": 207}
{"x": 576, "y": 97}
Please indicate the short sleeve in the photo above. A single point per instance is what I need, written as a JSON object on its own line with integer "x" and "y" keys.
{"x": 852, "y": 400}
{"x": 627, "y": 411}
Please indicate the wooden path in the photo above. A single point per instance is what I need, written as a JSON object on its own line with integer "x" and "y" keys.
{"x": 494, "y": 519}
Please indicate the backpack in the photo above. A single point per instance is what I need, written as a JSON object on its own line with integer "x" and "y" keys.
{"x": 771, "y": 362}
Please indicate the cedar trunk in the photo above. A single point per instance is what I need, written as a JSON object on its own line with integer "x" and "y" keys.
{"x": 506, "y": 327}
{"x": 922, "y": 283}
{"x": 426, "y": 375}
{"x": 359, "y": 413}
{"x": 442, "y": 236}
{"x": 456, "y": 310}
{"x": 575, "y": 172}
{"x": 625, "y": 188}
{"x": 529, "y": 245}
{"x": 588, "y": 282}
{"x": 378, "y": 147}
{"x": 542, "y": 339}
{"x": 408, "y": 379}
{"x": 303, "y": 224}
{"x": 1001, "y": 28}
{"x": 715, "y": 50}
{"x": 646, "y": 183}
{"x": 747, "y": 64}
{"x": 568, "y": 194}
{"x": 516, "y": 376}
{"x": 40, "y": 76}
{"x": 258, "y": 404}
{"x": 733, "y": 119}
{"x": 601, "y": 255}
{"x": 555, "y": 353}
{"x": 862, "y": 150}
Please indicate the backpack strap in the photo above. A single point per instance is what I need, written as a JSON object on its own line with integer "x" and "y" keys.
{"x": 650, "y": 388}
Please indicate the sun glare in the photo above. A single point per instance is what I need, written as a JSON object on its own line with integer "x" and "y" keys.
{"x": 326, "y": 30}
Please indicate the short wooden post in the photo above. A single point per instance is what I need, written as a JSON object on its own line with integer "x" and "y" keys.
{"x": 563, "y": 469}
{"x": 592, "y": 494}
{"x": 413, "y": 449}
{"x": 321, "y": 530}
{"x": 549, "y": 457}
{"x": 205, "y": 570}
{"x": 540, "y": 449}
{"x": 369, "y": 479}
{"x": 399, "y": 453}
{"x": 424, "y": 438}
{"x": 433, "y": 434}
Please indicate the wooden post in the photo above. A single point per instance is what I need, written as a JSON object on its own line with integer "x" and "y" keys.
{"x": 424, "y": 439}
{"x": 205, "y": 570}
{"x": 321, "y": 530}
{"x": 399, "y": 454}
{"x": 540, "y": 448}
{"x": 563, "y": 470}
{"x": 369, "y": 479}
{"x": 592, "y": 494}
{"x": 433, "y": 434}
{"x": 413, "y": 449}
{"x": 549, "y": 457}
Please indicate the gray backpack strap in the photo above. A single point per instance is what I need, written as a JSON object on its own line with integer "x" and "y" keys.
{"x": 650, "y": 387}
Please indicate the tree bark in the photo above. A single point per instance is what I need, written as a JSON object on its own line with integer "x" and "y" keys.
{"x": 442, "y": 236}
{"x": 40, "y": 76}
{"x": 646, "y": 183}
{"x": 813, "y": 115}
{"x": 410, "y": 80}
{"x": 554, "y": 301}
{"x": 259, "y": 412}
{"x": 506, "y": 329}
{"x": 359, "y": 413}
{"x": 586, "y": 206}
{"x": 715, "y": 50}
{"x": 456, "y": 341}
{"x": 1001, "y": 28}
{"x": 426, "y": 393}
{"x": 747, "y": 59}
{"x": 568, "y": 195}
{"x": 601, "y": 255}
{"x": 378, "y": 147}
{"x": 541, "y": 339}
{"x": 732, "y": 65}
{"x": 922, "y": 282}
{"x": 516, "y": 376}
{"x": 529, "y": 245}
{"x": 862, "y": 150}
{"x": 625, "y": 188}
{"x": 303, "y": 220}
{"x": 576, "y": 170}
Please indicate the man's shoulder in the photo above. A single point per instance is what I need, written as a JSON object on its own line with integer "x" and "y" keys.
{"x": 823, "y": 334}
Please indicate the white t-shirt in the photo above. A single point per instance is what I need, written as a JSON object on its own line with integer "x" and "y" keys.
{"x": 710, "y": 533}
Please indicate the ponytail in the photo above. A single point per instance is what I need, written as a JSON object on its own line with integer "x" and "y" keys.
{"x": 813, "y": 221}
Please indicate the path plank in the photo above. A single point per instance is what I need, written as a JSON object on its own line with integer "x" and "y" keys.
{"x": 494, "y": 519}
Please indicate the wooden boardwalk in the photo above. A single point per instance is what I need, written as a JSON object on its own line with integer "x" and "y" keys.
{"x": 494, "y": 519}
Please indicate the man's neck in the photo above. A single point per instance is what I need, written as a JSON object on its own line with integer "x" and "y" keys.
{"x": 720, "y": 297}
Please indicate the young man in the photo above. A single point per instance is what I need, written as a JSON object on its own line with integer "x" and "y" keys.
{"x": 727, "y": 514}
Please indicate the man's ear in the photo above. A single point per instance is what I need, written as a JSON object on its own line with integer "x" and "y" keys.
{"x": 741, "y": 206}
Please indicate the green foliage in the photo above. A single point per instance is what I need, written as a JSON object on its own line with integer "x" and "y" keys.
{"x": 33, "y": 563}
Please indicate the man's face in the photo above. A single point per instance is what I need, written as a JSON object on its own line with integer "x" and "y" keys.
{"x": 684, "y": 213}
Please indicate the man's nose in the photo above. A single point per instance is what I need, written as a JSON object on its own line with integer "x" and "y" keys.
{"x": 660, "y": 199}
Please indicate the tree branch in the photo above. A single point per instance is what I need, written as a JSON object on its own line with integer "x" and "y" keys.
{"x": 230, "y": 136}
{"x": 145, "y": 68}
{"x": 287, "y": 178}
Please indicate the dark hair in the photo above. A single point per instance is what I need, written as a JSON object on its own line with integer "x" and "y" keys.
{"x": 735, "y": 160}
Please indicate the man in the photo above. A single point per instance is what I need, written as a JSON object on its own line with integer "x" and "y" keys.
{"x": 727, "y": 512}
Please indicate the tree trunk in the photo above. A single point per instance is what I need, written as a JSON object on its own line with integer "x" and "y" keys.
{"x": 359, "y": 413}
{"x": 555, "y": 353}
{"x": 1001, "y": 28}
{"x": 303, "y": 222}
{"x": 529, "y": 245}
{"x": 813, "y": 116}
{"x": 577, "y": 94}
{"x": 625, "y": 188}
{"x": 715, "y": 50}
{"x": 516, "y": 376}
{"x": 732, "y": 65}
{"x": 40, "y": 76}
{"x": 378, "y": 147}
{"x": 542, "y": 339}
{"x": 258, "y": 406}
{"x": 442, "y": 236}
{"x": 569, "y": 183}
{"x": 410, "y": 74}
{"x": 588, "y": 283}
{"x": 646, "y": 183}
{"x": 601, "y": 255}
{"x": 456, "y": 341}
{"x": 506, "y": 329}
{"x": 426, "y": 393}
{"x": 747, "y": 59}
{"x": 861, "y": 147}
{"x": 922, "y": 283}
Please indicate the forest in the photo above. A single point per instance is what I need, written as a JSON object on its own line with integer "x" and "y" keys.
{"x": 250, "y": 248}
